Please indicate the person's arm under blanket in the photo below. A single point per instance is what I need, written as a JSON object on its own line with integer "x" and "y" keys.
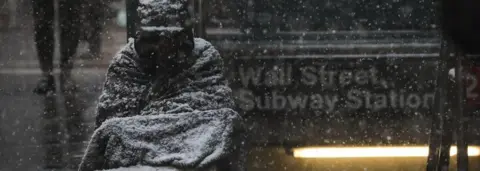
{"x": 125, "y": 86}
{"x": 202, "y": 86}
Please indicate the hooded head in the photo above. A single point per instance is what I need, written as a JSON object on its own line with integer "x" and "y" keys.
{"x": 166, "y": 13}
{"x": 165, "y": 22}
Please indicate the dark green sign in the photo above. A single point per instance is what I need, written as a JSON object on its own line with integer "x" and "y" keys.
{"x": 312, "y": 85}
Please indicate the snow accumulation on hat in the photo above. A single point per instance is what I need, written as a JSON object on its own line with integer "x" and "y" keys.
{"x": 166, "y": 13}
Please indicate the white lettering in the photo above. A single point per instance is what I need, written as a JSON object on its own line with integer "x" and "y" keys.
{"x": 401, "y": 100}
{"x": 245, "y": 99}
{"x": 368, "y": 99}
{"x": 356, "y": 98}
{"x": 266, "y": 102}
{"x": 373, "y": 76}
{"x": 331, "y": 101}
{"x": 278, "y": 75}
{"x": 317, "y": 102}
{"x": 307, "y": 76}
{"x": 323, "y": 77}
{"x": 298, "y": 101}
{"x": 279, "y": 101}
{"x": 361, "y": 77}
{"x": 380, "y": 102}
{"x": 413, "y": 101}
{"x": 428, "y": 100}
{"x": 250, "y": 75}
{"x": 311, "y": 75}
{"x": 473, "y": 83}
{"x": 345, "y": 78}
{"x": 393, "y": 99}
{"x": 353, "y": 100}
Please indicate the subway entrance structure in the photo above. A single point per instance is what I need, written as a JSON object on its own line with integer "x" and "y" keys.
{"x": 388, "y": 93}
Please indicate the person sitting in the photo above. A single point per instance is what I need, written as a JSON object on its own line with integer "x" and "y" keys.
{"x": 165, "y": 102}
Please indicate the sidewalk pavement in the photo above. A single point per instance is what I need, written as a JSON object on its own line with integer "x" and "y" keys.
{"x": 32, "y": 129}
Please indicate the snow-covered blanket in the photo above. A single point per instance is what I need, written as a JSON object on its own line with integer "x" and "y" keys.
{"x": 187, "y": 124}
{"x": 149, "y": 168}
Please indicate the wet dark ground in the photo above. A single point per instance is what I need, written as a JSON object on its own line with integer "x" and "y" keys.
{"x": 37, "y": 132}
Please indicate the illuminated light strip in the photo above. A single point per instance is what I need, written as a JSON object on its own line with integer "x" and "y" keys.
{"x": 366, "y": 152}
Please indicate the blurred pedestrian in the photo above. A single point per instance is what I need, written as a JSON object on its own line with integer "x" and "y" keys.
{"x": 459, "y": 20}
{"x": 93, "y": 15}
{"x": 44, "y": 14}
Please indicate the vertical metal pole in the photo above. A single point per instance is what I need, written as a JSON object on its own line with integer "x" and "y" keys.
{"x": 194, "y": 12}
{"x": 444, "y": 156}
{"x": 446, "y": 140}
{"x": 193, "y": 15}
{"x": 131, "y": 7}
{"x": 462, "y": 156}
{"x": 12, "y": 6}
{"x": 446, "y": 118}
{"x": 438, "y": 110}
{"x": 200, "y": 18}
